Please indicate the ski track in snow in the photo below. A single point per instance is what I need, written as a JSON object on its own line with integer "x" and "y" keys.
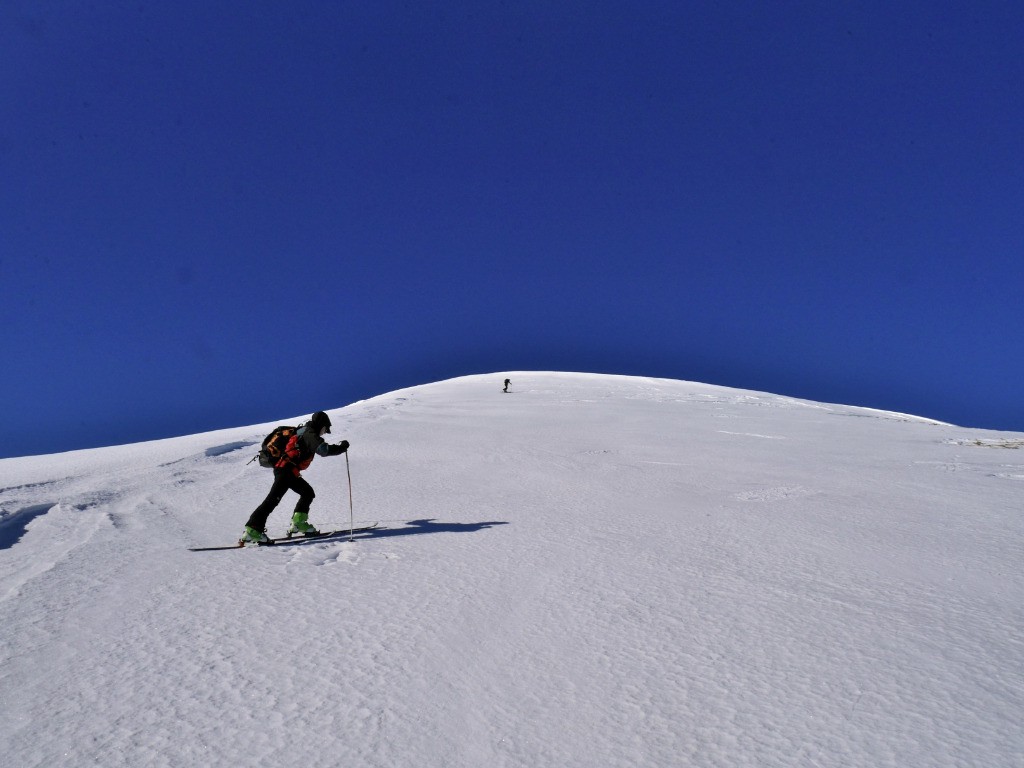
{"x": 588, "y": 573}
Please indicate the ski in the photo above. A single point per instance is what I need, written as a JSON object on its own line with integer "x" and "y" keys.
{"x": 295, "y": 539}
{"x": 323, "y": 534}
{"x": 237, "y": 545}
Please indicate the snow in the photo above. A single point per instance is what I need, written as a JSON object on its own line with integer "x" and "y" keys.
{"x": 587, "y": 571}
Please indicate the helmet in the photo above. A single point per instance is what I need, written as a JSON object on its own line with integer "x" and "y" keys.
{"x": 319, "y": 421}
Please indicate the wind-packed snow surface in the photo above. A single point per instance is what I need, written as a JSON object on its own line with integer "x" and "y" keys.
{"x": 586, "y": 571}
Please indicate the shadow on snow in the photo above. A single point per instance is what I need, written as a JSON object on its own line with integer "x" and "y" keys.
{"x": 411, "y": 528}
{"x": 13, "y": 527}
{"x": 428, "y": 525}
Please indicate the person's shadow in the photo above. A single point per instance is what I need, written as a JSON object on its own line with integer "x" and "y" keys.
{"x": 411, "y": 528}
{"x": 428, "y": 525}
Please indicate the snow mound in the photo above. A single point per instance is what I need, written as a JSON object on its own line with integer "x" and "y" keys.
{"x": 585, "y": 571}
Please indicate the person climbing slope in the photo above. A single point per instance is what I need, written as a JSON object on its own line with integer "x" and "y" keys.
{"x": 307, "y": 442}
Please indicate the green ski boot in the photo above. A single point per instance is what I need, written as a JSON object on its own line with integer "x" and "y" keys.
{"x": 252, "y": 536}
{"x": 300, "y": 524}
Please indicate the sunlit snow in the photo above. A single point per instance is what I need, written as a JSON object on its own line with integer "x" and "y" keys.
{"x": 587, "y": 571}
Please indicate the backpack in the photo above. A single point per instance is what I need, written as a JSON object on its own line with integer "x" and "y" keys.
{"x": 274, "y": 445}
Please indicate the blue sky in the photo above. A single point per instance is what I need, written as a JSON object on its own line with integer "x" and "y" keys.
{"x": 215, "y": 214}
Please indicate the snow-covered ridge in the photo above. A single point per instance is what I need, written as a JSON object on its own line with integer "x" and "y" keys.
{"x": 587, "y": 570}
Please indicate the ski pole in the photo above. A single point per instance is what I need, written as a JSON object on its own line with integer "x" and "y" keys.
{"x": 351, "y": 514}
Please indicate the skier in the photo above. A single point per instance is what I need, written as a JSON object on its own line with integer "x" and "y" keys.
{"x": 298, "y": 454}
{"x": 507, "y": 382}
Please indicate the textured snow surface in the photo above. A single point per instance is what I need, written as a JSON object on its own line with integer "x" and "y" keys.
{"x": 587, "y": 571}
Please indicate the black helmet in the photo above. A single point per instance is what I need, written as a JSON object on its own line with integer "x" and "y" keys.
{"x": 319, "y": 421}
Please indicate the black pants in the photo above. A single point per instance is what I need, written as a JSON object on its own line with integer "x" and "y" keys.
{"x": 284, "y": 480}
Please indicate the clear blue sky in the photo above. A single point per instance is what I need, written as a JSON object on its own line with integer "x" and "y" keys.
{"x": 222, "y": 213}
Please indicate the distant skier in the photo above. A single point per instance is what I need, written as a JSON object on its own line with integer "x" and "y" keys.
{"x": 507, "y": 382}
{"x": 307, "y": 442}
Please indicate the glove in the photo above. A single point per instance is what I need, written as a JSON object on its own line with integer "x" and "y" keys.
{"x": 343, "y": 446}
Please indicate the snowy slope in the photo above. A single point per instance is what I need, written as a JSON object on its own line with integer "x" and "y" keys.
{"x": 587, "y": 571}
